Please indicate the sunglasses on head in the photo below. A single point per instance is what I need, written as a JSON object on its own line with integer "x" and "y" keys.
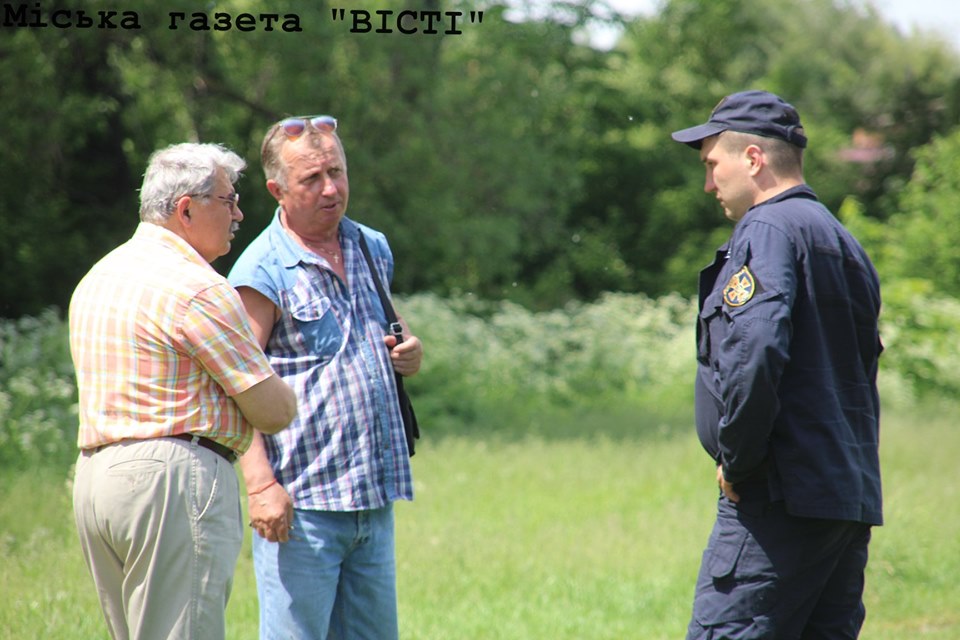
{"x": 294, "y": 127}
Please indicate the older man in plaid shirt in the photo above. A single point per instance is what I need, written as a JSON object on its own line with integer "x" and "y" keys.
{"x": 172, "y": 384}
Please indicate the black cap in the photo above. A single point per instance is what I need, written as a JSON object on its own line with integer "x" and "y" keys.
{"x": 758, "y": 112}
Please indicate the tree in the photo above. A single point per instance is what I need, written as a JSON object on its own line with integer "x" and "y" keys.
{"x": 840, "y": 65}
{"x": 923, "y": 239}
{"x": 66, "y": 177}
{"x": 504, "y": 158}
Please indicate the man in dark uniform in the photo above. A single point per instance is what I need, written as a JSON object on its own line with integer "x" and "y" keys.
{"x": 786, "y": 394}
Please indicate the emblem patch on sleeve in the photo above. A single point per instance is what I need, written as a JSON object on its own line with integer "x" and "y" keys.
{"x": 740, "y": 288}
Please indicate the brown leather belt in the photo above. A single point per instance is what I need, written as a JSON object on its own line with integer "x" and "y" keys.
{"x": 226, "y": 453}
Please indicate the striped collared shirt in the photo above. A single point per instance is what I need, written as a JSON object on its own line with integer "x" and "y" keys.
{"x": 160, "y": 341}
{"x": 346, "y": 450}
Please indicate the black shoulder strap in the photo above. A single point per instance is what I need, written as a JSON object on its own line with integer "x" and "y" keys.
{"x": 411, "y": 429}
{"x": 395, "y": 328}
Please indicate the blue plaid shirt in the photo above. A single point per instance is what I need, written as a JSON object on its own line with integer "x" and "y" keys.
{"x": 346, "y": 450}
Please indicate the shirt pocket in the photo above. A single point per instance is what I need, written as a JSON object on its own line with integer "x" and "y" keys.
{"x": 319, "y": 332}
{"x": 708, "y": 325}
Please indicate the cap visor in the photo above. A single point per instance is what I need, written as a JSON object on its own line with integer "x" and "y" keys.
{"x": 694, "y": 136}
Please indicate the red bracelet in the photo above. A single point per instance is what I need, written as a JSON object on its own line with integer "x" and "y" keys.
{"x": 263, "y": 488}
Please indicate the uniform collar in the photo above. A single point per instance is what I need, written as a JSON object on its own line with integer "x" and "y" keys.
{"x": 799, "y": 191}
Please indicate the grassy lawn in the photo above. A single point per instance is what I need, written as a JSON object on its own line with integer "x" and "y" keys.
{"x": 591, "y": 528}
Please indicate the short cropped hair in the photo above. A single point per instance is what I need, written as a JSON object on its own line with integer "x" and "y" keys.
{"x": 785, "y": 158}
{"x": 180, "y": 170}
{"x": 274, "y": 168}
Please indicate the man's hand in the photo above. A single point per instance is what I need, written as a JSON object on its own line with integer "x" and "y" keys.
{"x": 406, "y": 356}
{"x": 725, "y": 486}
{"x": 271, "y": 513}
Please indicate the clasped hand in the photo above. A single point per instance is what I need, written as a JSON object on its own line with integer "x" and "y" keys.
{"x": 406, "y": 356}
{"x": 271, "y": 513}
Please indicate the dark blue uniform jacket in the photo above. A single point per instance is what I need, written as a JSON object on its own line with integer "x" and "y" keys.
{"x": 787, "y": 350}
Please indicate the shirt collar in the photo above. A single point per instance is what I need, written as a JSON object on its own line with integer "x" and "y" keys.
{"x": 290, "y": 253}
{"x": 162, "y": 235}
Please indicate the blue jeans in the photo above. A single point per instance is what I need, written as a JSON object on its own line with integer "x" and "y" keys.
{"x": 336, "y": 578}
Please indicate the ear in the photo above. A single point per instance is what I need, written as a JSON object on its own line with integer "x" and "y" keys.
{"x": 181, "y": 212}
{"x": 274, "y": 188}
{"x": 754, "y": 158}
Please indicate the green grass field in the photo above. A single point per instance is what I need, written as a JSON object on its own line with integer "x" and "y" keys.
{"x": 592, "y": 528}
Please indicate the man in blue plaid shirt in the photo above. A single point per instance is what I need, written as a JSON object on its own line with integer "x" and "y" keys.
{"x": 321, "y": 494}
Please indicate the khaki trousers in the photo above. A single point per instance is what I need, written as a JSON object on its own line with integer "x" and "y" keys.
{"x": 160, "y": 527}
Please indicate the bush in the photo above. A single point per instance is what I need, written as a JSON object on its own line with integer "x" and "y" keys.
{"x": 919, "y": 329}
{"x": 496, "y": 363}
{"x": 480, "y": 356}
{"x": 38, "y": 396}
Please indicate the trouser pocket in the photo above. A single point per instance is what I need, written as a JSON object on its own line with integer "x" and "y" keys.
{"x": 737, "y": 580}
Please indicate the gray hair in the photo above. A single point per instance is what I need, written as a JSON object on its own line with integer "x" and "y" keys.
{"x": 180, "y": 170}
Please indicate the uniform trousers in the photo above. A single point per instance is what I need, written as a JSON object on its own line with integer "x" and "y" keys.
{"x": 768, "y": 575}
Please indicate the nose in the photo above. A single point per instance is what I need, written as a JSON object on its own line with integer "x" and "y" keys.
{"x": 329, "y": 186}
{"x": 237, "y": 212}
{"x": 709, "y": 185}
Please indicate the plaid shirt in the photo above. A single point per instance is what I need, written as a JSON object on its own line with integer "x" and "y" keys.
{"x": 346, "y": 450}
{"x": 159, "y": 342}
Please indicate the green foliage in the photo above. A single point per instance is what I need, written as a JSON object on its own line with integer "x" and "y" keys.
{"x": 924, "y": 236}
{"x": 916, "y": 252}
{"x": 510, "y": 161}
{"x": 845, "y": 70}
{"x": 499, "y": 358}
{"x": 872, "y": 234}
{"x": 480, "y": 356}
{"x": 64, "y": 174}
{"x": 38, "y": 411}
{"x": 920, "y": 331}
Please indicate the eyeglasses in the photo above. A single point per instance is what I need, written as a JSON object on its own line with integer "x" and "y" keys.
{"x": 294, "y": 127}
{"x": 233, "y": 199}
